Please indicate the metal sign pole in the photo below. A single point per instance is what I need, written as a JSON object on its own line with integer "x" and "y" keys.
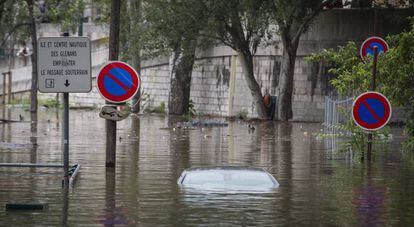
{"x": 65, "y": 140}
{"x": 65, "y": 182}
{"x": 374, "y": 75}
{"x": 113, "y": 56}
{"x": 64, "y": 66}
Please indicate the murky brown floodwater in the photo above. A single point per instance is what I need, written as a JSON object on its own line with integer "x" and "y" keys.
{"x": 318, "y": 186}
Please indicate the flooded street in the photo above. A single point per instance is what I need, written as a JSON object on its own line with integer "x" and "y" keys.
{"x": 318, "y": 186}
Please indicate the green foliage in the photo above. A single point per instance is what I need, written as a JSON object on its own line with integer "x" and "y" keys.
{"x": 67, "y": 13}
{"x": 353, "y": 75}
{"x": 51, "y": 102}
{"x": 289, "y": 15}
{"x": 242, "y": 114}
{"x": 240, "y": 24}
{"x": 170, "y": 24}
{"x": 134, "y": 34}
{"x": 14, "y": 17}
{"x": 13, "y": 21}
{"x": 191, "y": 112}
{"x": 145, "y": 101}
{"x": 158, "y": 109}
{"x": 395, "y": 73}
{"x": 104, "y": 8}
{"x": 355, "y": 138}
{"x": 25, "y": 102}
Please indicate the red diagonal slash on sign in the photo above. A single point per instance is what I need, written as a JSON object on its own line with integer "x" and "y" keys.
{"x": 123, "y": 86}
{"x": 370, "y": 110}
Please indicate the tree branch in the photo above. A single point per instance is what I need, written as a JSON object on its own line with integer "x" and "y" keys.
{"x": 308, "y": 20}
{"x": 12, "y": 31}
{"x": 221, "y": 39}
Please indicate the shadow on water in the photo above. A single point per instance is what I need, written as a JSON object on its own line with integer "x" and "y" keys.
{"x": 315, "y": 189}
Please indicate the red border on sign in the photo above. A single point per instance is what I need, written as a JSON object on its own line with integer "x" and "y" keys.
{"x": 365, "y": 44}
{"x": 387, "y": 110}
{"x": 136, "y": 82}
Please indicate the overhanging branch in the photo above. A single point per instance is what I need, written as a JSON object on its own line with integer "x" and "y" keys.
{"x": 221, "y": 39}
{"x": 12, "y": 31}
{"x": 308, "y": 19}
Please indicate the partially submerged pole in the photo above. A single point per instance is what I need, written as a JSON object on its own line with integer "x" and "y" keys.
{"x": 65, "y": 182}
{"x": 66, "y": 139}
{"x": 113, "y": 56}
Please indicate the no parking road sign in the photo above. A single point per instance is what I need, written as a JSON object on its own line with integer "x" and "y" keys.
{"x": 117, "y": 82}
{"x": 371, "y": 111}
{"x": 367, "y": 47}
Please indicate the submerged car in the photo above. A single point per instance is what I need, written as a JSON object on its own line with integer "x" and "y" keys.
{"x": 228, "y": 178}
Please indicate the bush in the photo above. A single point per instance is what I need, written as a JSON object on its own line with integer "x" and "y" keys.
{"x": 395, "y": 73}
{"x": 242, "y": 114}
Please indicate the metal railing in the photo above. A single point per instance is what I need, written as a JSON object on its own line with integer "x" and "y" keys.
{"x": 337, "y": 113}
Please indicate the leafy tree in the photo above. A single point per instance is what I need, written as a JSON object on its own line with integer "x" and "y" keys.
{"x": 132, "y": 40}
{"x": 33, "y": 89}
{"x": 13, "y": 21}
{"x": 396, "y": 70}
{"x": 293, "y": 17}
{"x": 241, "y": 25}
{"x": 174, "y": 26}
{"x": 353, "y": 76}
{"x": 395, "y": 73}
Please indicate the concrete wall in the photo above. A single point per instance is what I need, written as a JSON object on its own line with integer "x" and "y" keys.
{"x": 218, "y": 86}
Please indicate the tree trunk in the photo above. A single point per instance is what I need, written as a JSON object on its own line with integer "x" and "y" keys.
{"x": 246, "y": 60}
{"x": 182, "y": 68}
{"x": 33, "y": 90}
{"x": 134, "y": 8}
{"x": 286, "y": 79}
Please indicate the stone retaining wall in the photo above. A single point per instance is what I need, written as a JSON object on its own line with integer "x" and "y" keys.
{"x": 218, "y": 86}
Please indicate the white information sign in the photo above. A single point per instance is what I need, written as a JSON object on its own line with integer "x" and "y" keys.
{"x": 64, "y": 64}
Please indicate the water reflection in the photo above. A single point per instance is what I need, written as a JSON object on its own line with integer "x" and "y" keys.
{"x": 369, "y": 199}
{"x": 227, "y": 209}
{"x": 314, "y": 188}
{"x": 113, "y": 213}
{"x": 65, "y": 206}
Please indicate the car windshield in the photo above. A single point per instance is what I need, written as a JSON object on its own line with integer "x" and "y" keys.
{"x": 228, "y": 178}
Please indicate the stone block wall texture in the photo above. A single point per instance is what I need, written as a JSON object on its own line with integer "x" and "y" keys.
{"x": 210, "y": 89}
{"x": 217, "y": 69}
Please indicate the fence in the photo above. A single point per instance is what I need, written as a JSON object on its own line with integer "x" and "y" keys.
{"x": 336, "y": 112}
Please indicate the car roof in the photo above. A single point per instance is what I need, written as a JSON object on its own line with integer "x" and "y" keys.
{"x": 225, "y": 170}
{"x": 243, "y": 168}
